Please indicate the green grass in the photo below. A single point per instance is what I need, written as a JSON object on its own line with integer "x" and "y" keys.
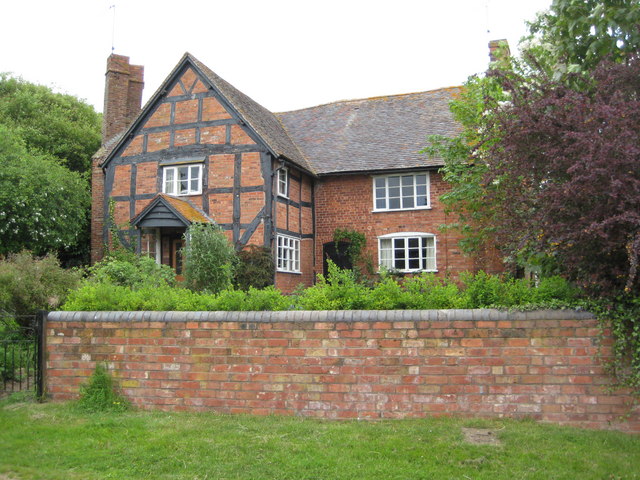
{"x": 57, "y": 441}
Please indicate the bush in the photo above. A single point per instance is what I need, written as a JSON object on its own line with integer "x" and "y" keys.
{"x": 124, "y": 268}
{"x": 255, "y": 268}
{"x": 338, "y": 291}
{"x": 29, "y": 284}
{"x": 209, "y": 258}
{"x": 99, "y": 395}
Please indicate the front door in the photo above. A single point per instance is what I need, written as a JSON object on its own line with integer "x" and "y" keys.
{"x": 337, "y": 254}
{"x": 171, "y": 245}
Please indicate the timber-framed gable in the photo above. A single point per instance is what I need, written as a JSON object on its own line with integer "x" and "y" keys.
{"x": 197, "y": 127}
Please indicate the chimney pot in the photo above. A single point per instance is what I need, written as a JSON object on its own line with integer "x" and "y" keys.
{"x": 124, "y": 84}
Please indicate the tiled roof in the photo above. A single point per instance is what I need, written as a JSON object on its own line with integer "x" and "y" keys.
{"x": 185, "y": 208}
{"x": 259, "y": 118}
{"x": 186, "y": 211}
{"x": 372, "y": 134}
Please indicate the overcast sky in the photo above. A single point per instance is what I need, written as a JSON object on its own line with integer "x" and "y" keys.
{"x": 285, "y": 54}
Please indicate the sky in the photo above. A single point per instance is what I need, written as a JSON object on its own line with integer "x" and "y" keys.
{"x": 285, "y": 54}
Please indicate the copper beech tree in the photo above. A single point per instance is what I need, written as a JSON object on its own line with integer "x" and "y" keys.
{"x": 565, "y": 175}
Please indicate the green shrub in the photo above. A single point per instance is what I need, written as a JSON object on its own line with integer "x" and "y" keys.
{"x": 209, "y": 258}
{"x": 426, "y": 291}
{"x": 340, "y": 290}
{"x": 124, "y": 268}
{"x": 29, "y": 284}
{"x": 100, "y": 395}
{"x": 255, "y": 268}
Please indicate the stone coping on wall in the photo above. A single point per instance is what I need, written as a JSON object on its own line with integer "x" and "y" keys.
{"x": 297, "y": 316}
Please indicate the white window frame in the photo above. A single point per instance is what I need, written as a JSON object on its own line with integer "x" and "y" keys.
{"x": 386, "y": 190}
{"x": 174, "y": 182}
{"x": 287, "y": 254}
{"x": 387, "y": 251}
{"x": 283, "y": 182}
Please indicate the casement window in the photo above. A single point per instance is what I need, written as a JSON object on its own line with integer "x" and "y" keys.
{"x": 408, "y": 252}
{"x": 401, "y": 192}
{"x": 182, "y": 180}
{"x": 283, "y": 182}
{"x": 288, "y": 254}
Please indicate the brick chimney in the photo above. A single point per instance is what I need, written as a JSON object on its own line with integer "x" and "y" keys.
{"x": 499, "y": 50}
{"x": 122, "y": 95}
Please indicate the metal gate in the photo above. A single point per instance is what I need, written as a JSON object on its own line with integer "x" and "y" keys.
{"x": 22, "y": 353}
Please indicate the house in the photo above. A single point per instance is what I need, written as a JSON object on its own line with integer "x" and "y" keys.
{"x": 202, "y": 151}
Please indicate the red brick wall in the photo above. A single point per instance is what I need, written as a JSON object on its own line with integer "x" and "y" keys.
{"x": 347, "y": 202}
{"x": 385, "y": 364}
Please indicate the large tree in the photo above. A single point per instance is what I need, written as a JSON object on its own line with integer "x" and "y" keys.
{"x": 566, "y": 174}
{"x": 575, "y": 35}
{"x": 46, "y": 143}
{"x": 43, "y": 205}
{"x": 58, "y": 125}
{"x": 502, "y": 107}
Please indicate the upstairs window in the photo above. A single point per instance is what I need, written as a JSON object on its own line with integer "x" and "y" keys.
{"x": 182, "y": 180}
{"x": 408, "y": 252}
{"x": 401, "y": 192}
{"x": 283, "y": 182}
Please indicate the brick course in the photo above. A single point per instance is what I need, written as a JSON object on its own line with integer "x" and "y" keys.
{"x": 347, "y": 364}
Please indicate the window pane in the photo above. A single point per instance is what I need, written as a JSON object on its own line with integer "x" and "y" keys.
{"x": 379, "y": 183}
{"x": 394, "y": 182}
{"x": 380, "y": 203}
{"x": 407, "y": 180}
{"x": 394, "y": 203}
{"x": 183, "y": 172}
{"x": 421, "y": 179}
{"x": 407, "y": 202}
{"x": 407, "y": 191}
{"x": 194, "y": 185}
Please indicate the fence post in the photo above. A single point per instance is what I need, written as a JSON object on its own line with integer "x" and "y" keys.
{"x": 41, "y": 318}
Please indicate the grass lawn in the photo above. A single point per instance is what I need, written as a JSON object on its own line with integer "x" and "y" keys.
{"x": 55, "y": 441}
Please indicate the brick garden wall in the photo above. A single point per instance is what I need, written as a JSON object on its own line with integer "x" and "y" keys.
{"x": 346, "y": 364}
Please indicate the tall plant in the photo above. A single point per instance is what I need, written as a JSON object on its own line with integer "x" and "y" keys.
{"x": 210, "y": 259}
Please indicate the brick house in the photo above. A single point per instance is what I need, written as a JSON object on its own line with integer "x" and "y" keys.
{"x": 202, "y": 151}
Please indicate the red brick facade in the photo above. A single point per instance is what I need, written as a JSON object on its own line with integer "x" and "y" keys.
{"x": 385, "y": 364}
{"x": 346, "y": 202}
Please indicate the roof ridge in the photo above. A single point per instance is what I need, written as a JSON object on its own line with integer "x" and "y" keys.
{"x": 365, "y": 99}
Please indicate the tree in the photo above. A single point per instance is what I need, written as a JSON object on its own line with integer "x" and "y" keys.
{"x": 45, "y": 135}
{"x": 559, "y": 57}
{"x": 567, "y": 168}
{"x": 43, "y": 205}
{"x": 57, "y": 125}
{"x": 575, "y": 35}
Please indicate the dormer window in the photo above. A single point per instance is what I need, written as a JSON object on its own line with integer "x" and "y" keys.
{"x": 283, "y": 182}
{"x": 182, "y": 180}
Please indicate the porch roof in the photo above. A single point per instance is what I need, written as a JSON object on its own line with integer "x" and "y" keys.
{"x": 168, "y": 211}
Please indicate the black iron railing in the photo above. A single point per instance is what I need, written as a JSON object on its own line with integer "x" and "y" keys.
{"x": 21, "y": 353}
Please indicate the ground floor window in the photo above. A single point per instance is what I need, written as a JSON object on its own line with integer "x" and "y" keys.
{"x": 288, "y": 254}
{"x": 150, "y": 243}
{"x": 408, "y": 252}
